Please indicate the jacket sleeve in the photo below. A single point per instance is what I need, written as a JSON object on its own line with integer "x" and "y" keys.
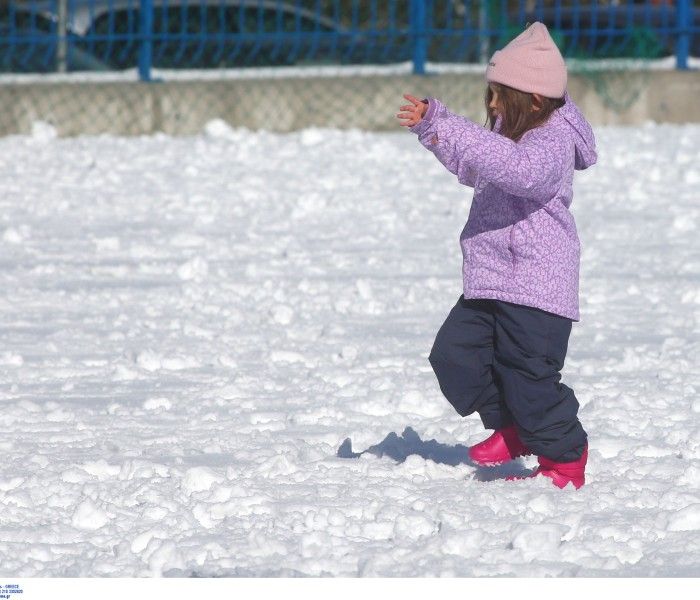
{"x": 428, "y": 136}
{"x": 530, "y": 168}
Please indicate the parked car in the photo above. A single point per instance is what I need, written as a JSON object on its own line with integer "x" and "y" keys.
{"x": 28, "y": 44}
{"x": 222, "y": 33}
{"x": 203, "y": 34}
{"x": 613, "y": 30}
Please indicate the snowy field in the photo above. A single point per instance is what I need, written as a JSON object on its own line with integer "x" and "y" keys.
{"x": 213, "y": 361}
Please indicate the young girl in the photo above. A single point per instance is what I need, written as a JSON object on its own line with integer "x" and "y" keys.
{"x": 501, "y": 349}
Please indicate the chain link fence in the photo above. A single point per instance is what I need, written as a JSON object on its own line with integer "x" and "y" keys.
{"x": 138, "y": 66}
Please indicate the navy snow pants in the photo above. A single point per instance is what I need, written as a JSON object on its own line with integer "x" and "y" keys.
{"x": 503, "y": 361}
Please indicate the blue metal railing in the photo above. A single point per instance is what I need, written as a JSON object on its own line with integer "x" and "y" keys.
{"x": 81, "y": 35}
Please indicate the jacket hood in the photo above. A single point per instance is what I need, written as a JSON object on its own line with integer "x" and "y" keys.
{"x": 584, "y": 140}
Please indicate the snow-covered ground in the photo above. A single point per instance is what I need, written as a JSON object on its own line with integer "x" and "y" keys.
{"x": 199, "y": 334}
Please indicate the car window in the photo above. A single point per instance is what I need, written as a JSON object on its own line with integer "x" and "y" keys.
{"x": 252, "y": 19}
{"x": 23, "y": 20}
{"x": 116, "y": 22}
{"x": 211, "y": 19}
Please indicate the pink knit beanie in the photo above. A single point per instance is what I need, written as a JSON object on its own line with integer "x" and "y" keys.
{"x": 530, "y": 63}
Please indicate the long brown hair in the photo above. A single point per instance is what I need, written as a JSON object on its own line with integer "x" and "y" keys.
{"x": 516, "y": 109}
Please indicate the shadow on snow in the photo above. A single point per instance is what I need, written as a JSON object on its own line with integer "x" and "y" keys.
{"x": 399, "y": 448}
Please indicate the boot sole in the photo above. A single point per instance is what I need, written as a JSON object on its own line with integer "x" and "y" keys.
{"x": 497, "y": 463}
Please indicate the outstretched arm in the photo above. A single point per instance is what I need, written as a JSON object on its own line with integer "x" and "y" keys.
{"x": 529, "y": 169}
{"x": 414, "y": 116}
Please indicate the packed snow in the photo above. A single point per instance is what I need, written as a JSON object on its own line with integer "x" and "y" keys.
{"x": 214, "y": 363}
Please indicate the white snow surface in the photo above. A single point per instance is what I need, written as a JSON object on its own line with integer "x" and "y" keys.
{"x": 202, "y": 336}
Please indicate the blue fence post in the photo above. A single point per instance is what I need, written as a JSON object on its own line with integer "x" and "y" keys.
{"x": 420, "y": 42}
{"x": 146, "y": 38}
{"x": 683, "y": 40}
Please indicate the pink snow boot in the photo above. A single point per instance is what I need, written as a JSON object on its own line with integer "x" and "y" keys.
{"x": 562, "y": 474}
{"x": 502, "y": 446}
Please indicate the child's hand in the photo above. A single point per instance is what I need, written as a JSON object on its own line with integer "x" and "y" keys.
{"x": 412, "y": 113}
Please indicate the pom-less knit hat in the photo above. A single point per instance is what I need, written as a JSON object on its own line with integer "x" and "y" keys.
{"x": 530, "y": 63}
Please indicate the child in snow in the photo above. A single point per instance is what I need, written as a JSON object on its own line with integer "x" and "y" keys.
{"x": 501, "y": 349}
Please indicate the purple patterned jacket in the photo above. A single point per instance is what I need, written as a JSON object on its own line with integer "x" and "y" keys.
{"x": 520, "y": 243}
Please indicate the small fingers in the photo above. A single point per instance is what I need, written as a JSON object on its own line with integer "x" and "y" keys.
{"x": 412, "y": 99}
